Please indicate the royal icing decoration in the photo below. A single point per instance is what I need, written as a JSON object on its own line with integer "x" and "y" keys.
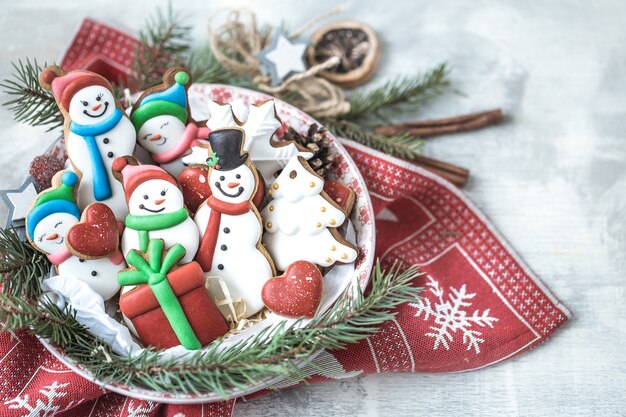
{"x": 267, "y": 155}
{"x": 229, "y": 224}
{"x": 297, "y": 293}
{"x": 53, "y": 222}
{"x": 301, "y": 220}
{"x": 157, "y": 209}
{"x": 97, "y": 131}
{"x": 164, "y": 128}
{"x": 170, "y": 305}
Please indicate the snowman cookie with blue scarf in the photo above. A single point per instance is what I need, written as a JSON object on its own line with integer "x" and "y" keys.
{"x": 96, "y": 132}
{"x": 164, "y": 127}
{"x": 54, "y": 226}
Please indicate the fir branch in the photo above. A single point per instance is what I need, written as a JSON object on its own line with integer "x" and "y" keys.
{"x": 400, "y": 95}
{"x": 401, "y": 146}
{"x": 28, "y": 101}
{"x": 162, "y": 44}
{"x": 21, "y": 266}
{"x": 205, "y": 68}
{"x": 274, "y": 352}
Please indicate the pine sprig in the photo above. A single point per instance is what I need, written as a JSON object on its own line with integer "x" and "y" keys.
{"x": 29, "y": 102}
{"x": 21, "y": 266}
{"x": 162, "y": 44}
{"x": 206, "y": 69}
{"x": 399, "y": 95}
{"x": 401, "y": 146}
{"x": 274, "y": 352}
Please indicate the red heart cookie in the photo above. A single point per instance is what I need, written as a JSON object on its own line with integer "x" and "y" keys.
{"x": 97, "y": 233}
{"x": 194, "y": 184}
{"x": 296, "y": 293}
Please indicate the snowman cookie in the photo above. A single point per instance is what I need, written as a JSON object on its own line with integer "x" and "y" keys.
{"x": 96, "y": 132}
{"x": 156, "y": 207}
{"x": 301, "y": 220}
{"x": 230, "y": 226}
{"x": 164, "y": 127}
{"x": 49, "y": 223}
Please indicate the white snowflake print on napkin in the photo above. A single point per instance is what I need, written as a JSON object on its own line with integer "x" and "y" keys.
{"x": 40, "y": 408}
{"x": 450, "y": 316}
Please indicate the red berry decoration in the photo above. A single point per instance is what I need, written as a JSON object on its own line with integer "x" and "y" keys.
{"x": 297, "y": 293}
{"x": 42, "y": 169}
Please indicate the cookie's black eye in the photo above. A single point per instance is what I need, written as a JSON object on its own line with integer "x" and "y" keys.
{"x": 163, "y": 193}
{"x": 94, "y": 273}
{"x": 222, "y": 178}
{"x": 145, "y": 197}
{"x": 293, "y": 174}
{"x": 238, "y": 176}
{"x": 99, "y": 97}
{"x": 84, "y": 103}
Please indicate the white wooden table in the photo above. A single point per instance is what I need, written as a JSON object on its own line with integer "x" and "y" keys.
{"x": 552, "y": 178}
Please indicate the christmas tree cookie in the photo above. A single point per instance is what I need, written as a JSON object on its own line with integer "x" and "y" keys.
{"x": 164, "y": 127}
{"x": 301, "y": 220}
{"x": 230, "y": 226}
{"x": 156, "y": 206}
{"x": 96, "y": 132}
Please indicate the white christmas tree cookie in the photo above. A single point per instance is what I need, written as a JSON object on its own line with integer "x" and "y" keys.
{"x": 301, "y": 220}
{"x": 96, "y": 132}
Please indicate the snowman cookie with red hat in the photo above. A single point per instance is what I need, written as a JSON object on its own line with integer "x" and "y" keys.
{"x": 164, "y": 128}
{"x": 157, "y": 209}
{"x": 96, "y": 132}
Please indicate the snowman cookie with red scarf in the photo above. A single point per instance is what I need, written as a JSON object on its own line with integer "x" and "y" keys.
{"x": 230, "y": 225}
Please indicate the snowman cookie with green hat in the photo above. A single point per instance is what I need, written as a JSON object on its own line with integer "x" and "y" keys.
{"x": 163, "y": 123}
{"x": 52, "y": 219}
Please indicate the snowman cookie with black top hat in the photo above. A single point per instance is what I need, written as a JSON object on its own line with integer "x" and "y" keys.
{"x": 164, "y": 128}
{"x": 50, "y": 221}
{"x": 230, "y": 225}
{"x": 96, "y": 132}
{"x": 157, "y": 209}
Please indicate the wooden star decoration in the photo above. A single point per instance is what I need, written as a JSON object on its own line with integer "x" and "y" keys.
{"x": 283, "y": 58}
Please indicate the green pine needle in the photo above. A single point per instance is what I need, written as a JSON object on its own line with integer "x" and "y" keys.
{"x": 274, "y": 352}
{"x": 162, "y": 44}
{"x": 21, "y": 266}
{"x": 400, "y": 146}
{"x": 397, "y": 96}
{"x": 28, "y": 101}
{"x": 206, "y": 69}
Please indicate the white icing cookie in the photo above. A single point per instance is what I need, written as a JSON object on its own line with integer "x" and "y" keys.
{"x": 301, "y": 220}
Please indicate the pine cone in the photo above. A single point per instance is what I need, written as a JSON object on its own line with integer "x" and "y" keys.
{"x": 316, "y": 142}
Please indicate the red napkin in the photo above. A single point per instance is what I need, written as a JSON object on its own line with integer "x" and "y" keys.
{"x": 482, "y": 304}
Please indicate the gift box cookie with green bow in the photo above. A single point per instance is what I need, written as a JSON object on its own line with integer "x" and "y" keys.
{"x": 170, "y": 305}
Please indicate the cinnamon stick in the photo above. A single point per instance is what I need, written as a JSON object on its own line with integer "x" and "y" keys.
{"x": 448, "y": 125}
{"x": 453, "y": 173}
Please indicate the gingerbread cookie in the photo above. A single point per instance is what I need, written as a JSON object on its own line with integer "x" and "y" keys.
{"x": 301, "y": 220}
{"x": 164, "y": 127}
{"x": 229, "y": 223}
{"x": 259, "y": 127}
{"x": 96, "y": 131}
{"x": 156, "y": 206}
{"x": 297, "y": 293}
{"x": 53, "y": 221}
{"x": 169, "y": 304}
{"x": 94, "y": 242}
